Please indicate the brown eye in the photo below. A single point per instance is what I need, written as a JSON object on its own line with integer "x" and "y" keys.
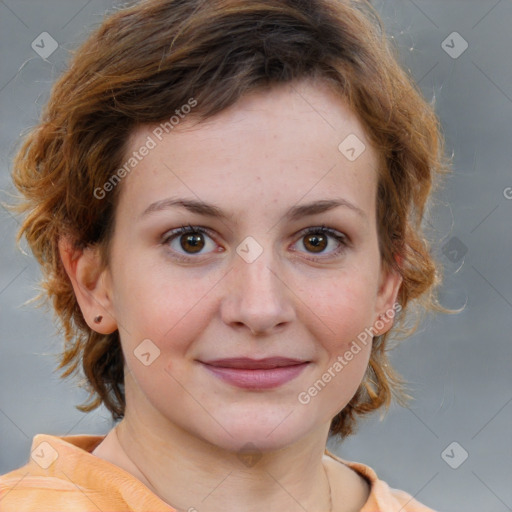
{"x": 192, "y": 242}
{"x": 316, "y": 243}
{"x": 316, "y": 240}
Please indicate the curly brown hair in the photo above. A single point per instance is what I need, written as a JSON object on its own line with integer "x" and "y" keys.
{"x": 149, "y": 58}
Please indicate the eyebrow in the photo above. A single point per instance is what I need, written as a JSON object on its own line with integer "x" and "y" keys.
{"x": 293, "y": 214}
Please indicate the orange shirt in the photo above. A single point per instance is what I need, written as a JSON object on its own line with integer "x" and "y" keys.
{"x": 62, "y": 475}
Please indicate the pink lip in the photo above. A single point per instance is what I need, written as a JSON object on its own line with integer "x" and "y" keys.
{"x": 265, "y": 373}
{"x": 248, "y": 363}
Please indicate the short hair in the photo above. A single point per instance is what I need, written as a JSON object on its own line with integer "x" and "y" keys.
{"x": 151, "y": 57}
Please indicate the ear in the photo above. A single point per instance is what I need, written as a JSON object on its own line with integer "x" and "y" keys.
{"x": 386, "y": 304}
{"x": 91, "y": 284}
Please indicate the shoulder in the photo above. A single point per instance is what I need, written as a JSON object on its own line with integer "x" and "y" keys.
{"x": 380, "y": 495}
{"x": 23, "y": 491}
{"x": 408, "y": 503}
{"x": 62, "y": 474}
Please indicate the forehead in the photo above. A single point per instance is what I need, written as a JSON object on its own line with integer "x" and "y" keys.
{"x": 289, "y": 144}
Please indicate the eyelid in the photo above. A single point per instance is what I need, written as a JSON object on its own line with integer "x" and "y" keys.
{"x": 339, "y": 236}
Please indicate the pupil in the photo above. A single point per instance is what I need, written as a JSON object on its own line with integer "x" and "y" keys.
{"x": 194, "y": 240}
{"x": 316, "y": 244}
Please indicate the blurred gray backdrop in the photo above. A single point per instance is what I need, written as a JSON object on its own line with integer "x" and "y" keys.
{"x": 452, "y": 448}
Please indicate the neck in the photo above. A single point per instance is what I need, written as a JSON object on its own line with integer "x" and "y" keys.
{"x": 191, "y": 474}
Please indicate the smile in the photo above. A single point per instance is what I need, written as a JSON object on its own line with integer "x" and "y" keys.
{"x": 261, "y": 378}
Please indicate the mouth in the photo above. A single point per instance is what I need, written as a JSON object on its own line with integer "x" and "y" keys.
{"x": 256, "y": 374}
{"x": 247, "y": 363}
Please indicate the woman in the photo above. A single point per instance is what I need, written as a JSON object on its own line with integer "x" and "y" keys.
{"x": 226, "y": 200}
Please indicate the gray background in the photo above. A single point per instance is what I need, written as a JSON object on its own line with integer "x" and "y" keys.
{"x": 458, "y": 365}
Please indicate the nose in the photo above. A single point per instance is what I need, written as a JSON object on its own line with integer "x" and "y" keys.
{"x": 257, "y": 296}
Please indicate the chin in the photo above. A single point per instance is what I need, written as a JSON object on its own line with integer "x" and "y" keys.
{"x": 264, "y": 435}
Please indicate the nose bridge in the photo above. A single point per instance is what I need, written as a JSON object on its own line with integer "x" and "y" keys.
{"x": 259, "y": 284}
{"x": 256, "y": 294}
{"x": 260, "y": 275}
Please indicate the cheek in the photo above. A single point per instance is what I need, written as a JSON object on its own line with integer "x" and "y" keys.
{"x": 346, "y": 315}
{"x": 154, "y": 300}
{"x": 164, "y": 325}
{"x": 346, "y": 307}
{"x": 347, "y": 349}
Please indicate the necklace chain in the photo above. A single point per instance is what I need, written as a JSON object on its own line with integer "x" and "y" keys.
{"x": 325, "y": 471}
{"x": 330, "y": 491}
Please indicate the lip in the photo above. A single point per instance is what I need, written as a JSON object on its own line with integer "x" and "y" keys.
{"x": 247, "y": 363}
{"x": 256, "y": 374}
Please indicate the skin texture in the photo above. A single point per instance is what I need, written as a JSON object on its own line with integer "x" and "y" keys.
{"x": 267, "y": 153}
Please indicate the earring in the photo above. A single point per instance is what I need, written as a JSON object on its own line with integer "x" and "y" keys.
{"x": 98, "y": 319}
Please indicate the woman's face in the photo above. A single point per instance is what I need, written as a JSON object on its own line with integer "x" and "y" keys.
{"x": 253, "y": 283}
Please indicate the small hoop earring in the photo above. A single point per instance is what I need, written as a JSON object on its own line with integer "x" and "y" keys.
{"x": 98, "y": 319}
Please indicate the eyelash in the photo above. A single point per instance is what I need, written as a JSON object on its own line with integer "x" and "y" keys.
{"x": 183, "y": 230}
